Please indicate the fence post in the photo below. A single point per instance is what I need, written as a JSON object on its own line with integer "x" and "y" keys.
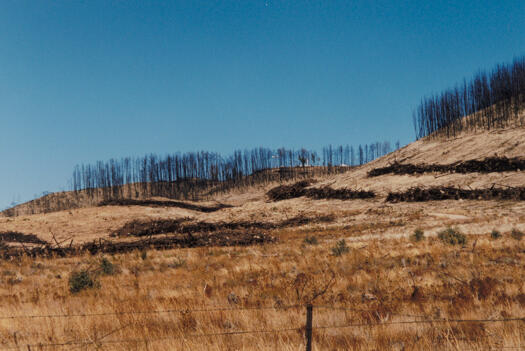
{"x": 309, "y": 316}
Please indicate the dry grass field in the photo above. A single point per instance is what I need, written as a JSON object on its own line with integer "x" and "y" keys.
{"x": 372, "y": 294}
{"x": 381, "y": 290}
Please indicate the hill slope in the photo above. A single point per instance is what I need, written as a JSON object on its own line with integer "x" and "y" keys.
{"x": 357, "y": 219}
{"x": 468, "y": 146}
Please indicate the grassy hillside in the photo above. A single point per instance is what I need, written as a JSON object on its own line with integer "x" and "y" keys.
{"x": 191, "y": 189}
{"x": 378, "y": 294}
{"x": 374, "y": 282}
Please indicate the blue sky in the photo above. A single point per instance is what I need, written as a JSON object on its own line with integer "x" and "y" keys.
{"x": 87, "y": 80}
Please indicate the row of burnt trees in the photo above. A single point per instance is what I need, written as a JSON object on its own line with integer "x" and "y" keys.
{"x": 191, "y": 174}
{"x": 492, "y": 99}
{"x": 348, "y": 156}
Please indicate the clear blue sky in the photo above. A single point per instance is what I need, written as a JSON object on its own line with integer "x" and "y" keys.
{"x": 87, "y": 80}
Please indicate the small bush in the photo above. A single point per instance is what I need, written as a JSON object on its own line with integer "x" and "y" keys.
{"x": 107, "y": 267}
{"x": 516, "y": 234}
{"x": 177, "y": 263}
{"x": 418, "y": 235}
{"x": 495, "y": 234}
{"x": 143, "y": 254}
{"x": 340, "y": 248}
{"x": 310, "y": 240}
{"x": 452, "y": 236}
{"x": 81, "y": 280}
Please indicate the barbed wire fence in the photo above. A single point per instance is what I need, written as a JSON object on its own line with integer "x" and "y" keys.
{"x": 308, "y": 328}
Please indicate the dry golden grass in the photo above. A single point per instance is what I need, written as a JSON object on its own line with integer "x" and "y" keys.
{"x": 386, "y": 278}
{"x": 395, "y": 280}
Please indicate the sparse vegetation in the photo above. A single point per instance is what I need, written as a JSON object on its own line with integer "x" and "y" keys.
{"x": 107, "y": 267}
{"x": 81, "y": 280}
{"x": 495, "y": 234}
{"x": 144, "y": 255}
{"x": 340, "y": 248}
{"x": 310, "y": 240}
{"x": 452, "y": 236}
{"x": 516, "y": 234}
{"x": 178, "y": 262}
{"x": 372, "y": 279}
{"x": 418, "y": 235}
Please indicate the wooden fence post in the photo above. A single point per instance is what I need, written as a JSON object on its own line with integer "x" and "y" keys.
{"x": 309, "y": 316}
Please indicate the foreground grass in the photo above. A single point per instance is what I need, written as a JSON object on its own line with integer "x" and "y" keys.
{"x": 385, "y": 281}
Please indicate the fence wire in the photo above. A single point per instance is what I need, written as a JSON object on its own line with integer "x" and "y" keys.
{"x": 209, "y": 309}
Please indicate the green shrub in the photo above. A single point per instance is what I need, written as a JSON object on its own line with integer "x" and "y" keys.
{"x": 452, "y": 236}
{"x": 516, "y": 234}
{"x": 310, "y": 240}
{"x": 418, "y": 235}
{"x": 340, "y": 248}
{"x": 81, "y": 280}
{"x": 495, "y": 234}
{"x": 107, "y": 267}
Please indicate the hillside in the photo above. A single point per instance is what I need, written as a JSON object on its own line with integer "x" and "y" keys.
{"x": 240, "y": 267}
{"x": 508, "y": 143}
{"x": 357, "y": 217}
{"x": 190, "y": 189}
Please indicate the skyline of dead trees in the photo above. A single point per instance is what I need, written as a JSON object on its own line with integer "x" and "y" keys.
{"x": 195, "y": 175}
{"x": 189, "y": 175}
{"x": 491, "y": 99}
